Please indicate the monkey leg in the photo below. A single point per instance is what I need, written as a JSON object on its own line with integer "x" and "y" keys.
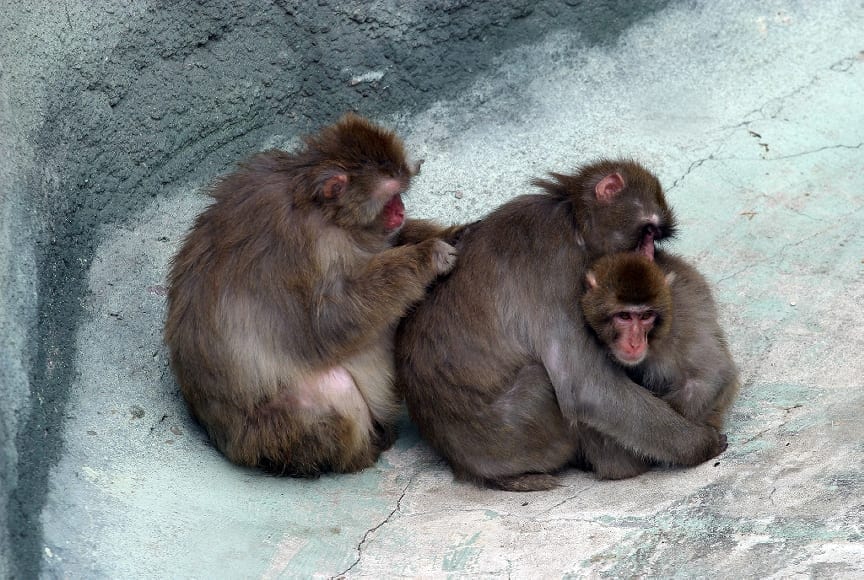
{"x": 525, "y": 482}
{"x": 607, "y": 458}
{"x": 372, "y": 372}
{"x": 329, "y": 443}
{"x": 516, "y": 442}
{"x": 319, "y": 424}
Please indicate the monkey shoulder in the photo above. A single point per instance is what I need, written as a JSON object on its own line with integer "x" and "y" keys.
{"x": 696, "y": 339}
{"x": 692, "y": 296}
{"x": 670, "y": 262}
{"x": 530, "y": 225}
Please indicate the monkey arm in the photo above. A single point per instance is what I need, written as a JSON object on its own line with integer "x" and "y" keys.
{"x": 353, "y": 309}
{"x": 592, "y": 390}
{"x": 706, "y": 397}
{"x": 728, "y": 393}
{"x": 694, "y": 399}
{"x": 415, "y": 231}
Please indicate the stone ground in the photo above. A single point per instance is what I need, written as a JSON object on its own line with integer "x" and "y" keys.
{"x": 752, "y": 114}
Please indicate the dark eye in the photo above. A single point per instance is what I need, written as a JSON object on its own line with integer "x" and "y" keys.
{"x": 648, "y": 315}
{"x": 623, "y": 316}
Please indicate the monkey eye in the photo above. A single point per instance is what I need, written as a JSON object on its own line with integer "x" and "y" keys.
{"x": 647, "y": 315}
{"x": 623, "y": 316}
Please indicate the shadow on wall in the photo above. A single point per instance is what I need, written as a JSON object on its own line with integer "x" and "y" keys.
{"x": 181, "y": 92}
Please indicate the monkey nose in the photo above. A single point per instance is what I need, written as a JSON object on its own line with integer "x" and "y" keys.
{"x": 635, "y": 350}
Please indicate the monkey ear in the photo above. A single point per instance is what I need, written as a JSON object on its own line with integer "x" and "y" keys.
{"x": 670, "y": 277}
{"x": 335, "y": 186}
{"x": 609, "y": 187}
{"x": 591, "y": 279}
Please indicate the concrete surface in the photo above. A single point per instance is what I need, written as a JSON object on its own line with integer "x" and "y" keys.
{"x": 116, "y": 116}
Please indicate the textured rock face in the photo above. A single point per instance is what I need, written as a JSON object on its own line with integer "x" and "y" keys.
{"x": 114, "y": 115}
{"x": 105, "y": 106}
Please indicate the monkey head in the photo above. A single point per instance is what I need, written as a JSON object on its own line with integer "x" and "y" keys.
{"x": 618, "y": 206}
{"x": 628, "y": 304}
{"x": 361, "y": 173}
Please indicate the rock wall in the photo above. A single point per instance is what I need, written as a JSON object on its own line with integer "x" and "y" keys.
{"x": 102, "y": 104}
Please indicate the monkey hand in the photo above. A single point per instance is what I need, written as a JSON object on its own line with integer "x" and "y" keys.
{"x": 724, "y": 443}
{"x": 443, "y": 257}
{"x": 717, "y": 444}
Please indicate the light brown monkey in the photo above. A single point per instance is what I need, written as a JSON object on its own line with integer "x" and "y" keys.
{"x": 285, "y": 295}
{"x": 498, "y": 368}
{"x": 659, "y": 322}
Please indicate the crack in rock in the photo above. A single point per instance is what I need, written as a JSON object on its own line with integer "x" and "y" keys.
{"x": 779, "y": 101}
{"x": 456, "y": 511}
{"x": 842, "y": 65}
{"x": 366, "y": 535}
{"x": 696, "y": 164}
{"x": 786, "y": 418}
{"x": 780, "y": 253}
{"x": 565, "y": 500}
{"x": 812, "y": 151}
{"x": 761, "y": 113}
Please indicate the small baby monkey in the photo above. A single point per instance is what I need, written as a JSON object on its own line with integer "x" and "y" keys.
{"x": 285, "y": 296}
{"x": 659, "y": 321}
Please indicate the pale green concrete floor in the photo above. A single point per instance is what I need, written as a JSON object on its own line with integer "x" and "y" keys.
{"x": 754, "y": 119}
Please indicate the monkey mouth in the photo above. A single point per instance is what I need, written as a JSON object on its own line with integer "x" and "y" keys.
{"x": 650, "y": 234}
{"x": 630, "y": 360}
{"x": 394, "y": 212}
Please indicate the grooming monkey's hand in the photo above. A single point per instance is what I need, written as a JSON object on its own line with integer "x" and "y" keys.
{"x": 443, "y": 256}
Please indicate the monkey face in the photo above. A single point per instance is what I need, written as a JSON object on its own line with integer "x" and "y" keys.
{"x": 637, "y": 220}
{"x": 383, "y": 206}
{"x": 361, "y": 200}
{"x": 627, "y": 303}
{"x": 365, "y": 171}
{"x": 627, "y": 200}
{"x": 632, "y": 327}
{"x": 618, "y": 206}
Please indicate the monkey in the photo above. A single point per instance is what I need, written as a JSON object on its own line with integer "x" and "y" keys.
{"x": 285, "y": 295}
{"x": 658, "y": 320}
{"x": 496, "y": 365}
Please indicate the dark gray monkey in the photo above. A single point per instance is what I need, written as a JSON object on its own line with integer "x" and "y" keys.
{"x": 497, "y": 366}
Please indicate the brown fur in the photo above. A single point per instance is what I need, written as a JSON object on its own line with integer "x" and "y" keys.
{"x": 688, "y": 362}
{"x": 284, "y": 298}
{"x": 497, "y": 367}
